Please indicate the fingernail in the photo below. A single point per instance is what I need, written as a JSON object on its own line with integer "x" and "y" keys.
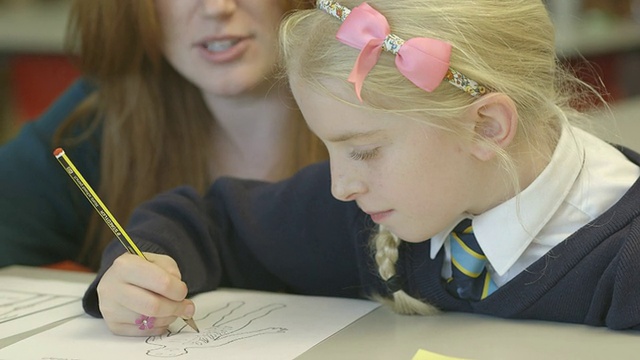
{"x": 189, "y": 311}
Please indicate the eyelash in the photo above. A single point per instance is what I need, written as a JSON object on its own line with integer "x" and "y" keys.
{"x": 363, "y": 155}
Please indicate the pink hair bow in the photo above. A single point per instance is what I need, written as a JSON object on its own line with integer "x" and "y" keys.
{"x": 423, "y": 61}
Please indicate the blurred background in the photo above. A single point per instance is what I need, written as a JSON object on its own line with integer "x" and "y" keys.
{"x": 600, "y": 39}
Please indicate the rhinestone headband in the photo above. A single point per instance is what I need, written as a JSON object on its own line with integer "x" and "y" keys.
{"x": 424, "y": 61}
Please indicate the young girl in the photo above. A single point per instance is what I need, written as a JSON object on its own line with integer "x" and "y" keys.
{"x": 462, "y": 184}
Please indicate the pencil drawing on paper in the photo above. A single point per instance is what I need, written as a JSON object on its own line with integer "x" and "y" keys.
{"x": 18, "y": 304}
{"x": 230, "y": 323}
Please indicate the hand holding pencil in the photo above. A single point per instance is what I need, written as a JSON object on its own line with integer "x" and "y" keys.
{"x": 135, "y": 289}
{"x": 139, "y": 294}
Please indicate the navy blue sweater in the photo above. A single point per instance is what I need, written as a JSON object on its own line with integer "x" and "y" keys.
{"x": 293, "y": 236}
{"x": 43, "y": 215}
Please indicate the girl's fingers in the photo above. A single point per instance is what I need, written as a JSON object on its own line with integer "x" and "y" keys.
{"x": 141, "y": 298}
{"x": 145, "y": 302}
{"x": 165, "y": 262}
{"x": 130, "y": 318}
{"x": 124, "y": 321}
{"x": 141, "y": 325}
{"x": 159, "y": 275}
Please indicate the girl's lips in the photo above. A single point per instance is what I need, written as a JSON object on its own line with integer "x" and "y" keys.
{"x": 235, "y": 51}
{"x": 378, "y": 217}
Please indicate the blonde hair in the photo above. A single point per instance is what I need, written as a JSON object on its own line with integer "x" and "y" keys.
{"x": 507, "y": 46}
{"x": 156, "y": 128}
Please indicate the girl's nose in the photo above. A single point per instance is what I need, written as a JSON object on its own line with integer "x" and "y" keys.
{"x": 345, "y": 186}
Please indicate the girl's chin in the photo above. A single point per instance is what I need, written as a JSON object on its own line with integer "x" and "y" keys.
{"x": 408, "y": 237}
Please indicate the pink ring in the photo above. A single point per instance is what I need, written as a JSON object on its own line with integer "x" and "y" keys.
{"x": 145, "y": 322}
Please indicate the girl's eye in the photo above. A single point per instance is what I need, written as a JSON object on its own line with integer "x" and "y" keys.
{"x": 363, "y": 155}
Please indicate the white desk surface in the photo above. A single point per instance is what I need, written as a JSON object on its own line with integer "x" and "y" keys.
{"x": 385, "y": 335}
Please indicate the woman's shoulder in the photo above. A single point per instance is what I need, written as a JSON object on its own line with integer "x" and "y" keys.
{"x": 35, "y": 138}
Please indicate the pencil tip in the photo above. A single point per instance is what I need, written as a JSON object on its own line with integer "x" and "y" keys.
{"x": 192, "y": 324}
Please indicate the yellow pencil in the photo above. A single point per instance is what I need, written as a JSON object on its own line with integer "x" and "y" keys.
{"x": 102, "y": 210}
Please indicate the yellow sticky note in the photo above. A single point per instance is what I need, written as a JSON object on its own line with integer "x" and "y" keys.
{"x": 428, "y": 355}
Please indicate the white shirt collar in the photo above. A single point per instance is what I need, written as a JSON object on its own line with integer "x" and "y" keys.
{"x": 505, "y": 231}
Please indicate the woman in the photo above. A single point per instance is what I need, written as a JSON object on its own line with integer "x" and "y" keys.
{"x": 174, "y": 92}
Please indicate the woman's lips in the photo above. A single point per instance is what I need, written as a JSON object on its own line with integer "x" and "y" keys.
{"x": 223, "y": 50}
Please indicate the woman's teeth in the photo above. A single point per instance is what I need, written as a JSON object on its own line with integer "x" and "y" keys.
{"x": 222, "y": 45}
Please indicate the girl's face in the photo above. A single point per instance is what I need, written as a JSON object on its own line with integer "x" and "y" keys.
{"x": 406, "y": 175}
{"x": 225, "y": 47}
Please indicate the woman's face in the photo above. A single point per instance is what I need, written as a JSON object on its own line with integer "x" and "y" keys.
{"x": 225, "y": 47}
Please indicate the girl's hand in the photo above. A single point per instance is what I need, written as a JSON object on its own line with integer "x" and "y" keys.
{"x": 135, "y": 290}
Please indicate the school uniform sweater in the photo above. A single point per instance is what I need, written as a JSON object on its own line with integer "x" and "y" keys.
{"x": 293, "y": 236}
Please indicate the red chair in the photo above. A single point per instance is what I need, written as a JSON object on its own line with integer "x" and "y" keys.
{"x": 36, "y": 81}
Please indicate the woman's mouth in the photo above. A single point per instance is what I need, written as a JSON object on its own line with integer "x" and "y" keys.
{"x": 219, "y": 51}
{"x": 221, "y": 45}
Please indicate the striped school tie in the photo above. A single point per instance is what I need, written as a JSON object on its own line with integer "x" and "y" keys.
{"x": 469, "y": 279}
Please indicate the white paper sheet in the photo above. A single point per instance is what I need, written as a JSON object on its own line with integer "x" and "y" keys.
{"x": 27, "y": 304}
{"x": 233, "y": 325}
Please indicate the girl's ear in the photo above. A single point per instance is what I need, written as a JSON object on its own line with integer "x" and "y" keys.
{"x": 496, "y": 119}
